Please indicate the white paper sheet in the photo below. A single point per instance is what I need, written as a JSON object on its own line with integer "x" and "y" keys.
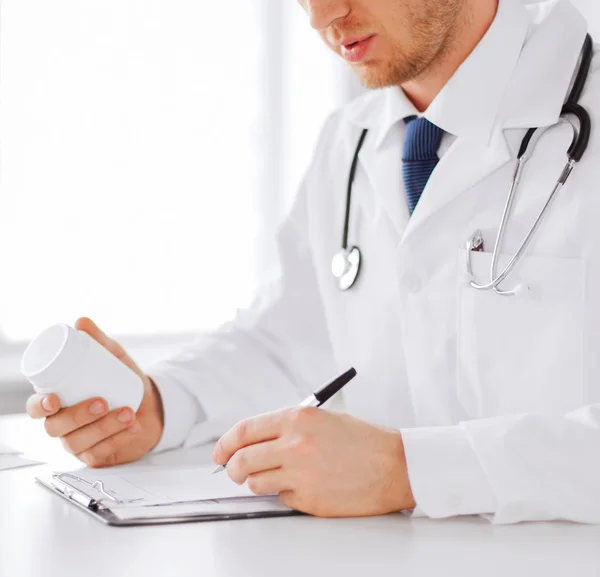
{"x": 226, "y": 507}
{"x": 14, "y": 462}
{"x": 161, "y": 486}
{"x": 7, "y": 450}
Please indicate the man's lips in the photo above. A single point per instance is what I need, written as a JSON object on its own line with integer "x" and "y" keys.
{"x": 352, "y": 40}
{"x": 356, "y": 49}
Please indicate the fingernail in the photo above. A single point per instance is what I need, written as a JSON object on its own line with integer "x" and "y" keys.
{"x": 135, "y": 429}
{"x": 97, "y": 408}
{"x": 124, "y": 416}
{"x": 47, "y": 404}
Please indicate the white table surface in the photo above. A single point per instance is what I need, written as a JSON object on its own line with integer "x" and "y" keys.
{"x": 42, "y": 535}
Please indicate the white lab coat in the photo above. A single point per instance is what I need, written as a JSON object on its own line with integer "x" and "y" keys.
{"x": 498, "y": 399}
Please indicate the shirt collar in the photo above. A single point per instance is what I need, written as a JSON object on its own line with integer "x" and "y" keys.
{"x": 469, "y": 103}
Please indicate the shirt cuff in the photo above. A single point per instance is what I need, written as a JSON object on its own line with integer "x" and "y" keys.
{"x": 181, "y": 412}
{"x": 445, "y": 475}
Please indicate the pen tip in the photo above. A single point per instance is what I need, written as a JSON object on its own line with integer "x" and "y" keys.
{"x": 217, "y": 469}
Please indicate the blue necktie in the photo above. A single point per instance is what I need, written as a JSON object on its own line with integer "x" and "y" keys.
{"x": 419, "y": 157}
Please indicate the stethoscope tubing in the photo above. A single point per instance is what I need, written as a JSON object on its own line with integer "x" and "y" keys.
{"x": 351, "y": 178}
{"x": 579, "y": 146}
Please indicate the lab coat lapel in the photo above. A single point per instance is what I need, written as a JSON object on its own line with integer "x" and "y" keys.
{"x": 462, "y": 167}
{"x": 481, "y": 147}
{"x": 526, "y": 103}
{"x": 383, "y": 168}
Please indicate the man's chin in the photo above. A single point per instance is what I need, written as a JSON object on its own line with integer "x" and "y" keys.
{"x": 373, "y": 77}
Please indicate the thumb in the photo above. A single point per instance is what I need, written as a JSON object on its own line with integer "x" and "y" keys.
{"x": 89, "y": 326}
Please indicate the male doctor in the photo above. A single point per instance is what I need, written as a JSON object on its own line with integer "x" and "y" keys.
{"x": 466, "y": 402}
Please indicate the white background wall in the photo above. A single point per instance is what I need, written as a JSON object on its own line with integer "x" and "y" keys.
{"x": 148, "y": 149}
{"x": 145, "y": 162}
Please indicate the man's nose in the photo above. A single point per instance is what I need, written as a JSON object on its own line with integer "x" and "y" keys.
{"x": 323, "y": 12}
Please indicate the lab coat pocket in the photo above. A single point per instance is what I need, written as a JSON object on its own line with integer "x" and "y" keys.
{"x": 522, "y": 353}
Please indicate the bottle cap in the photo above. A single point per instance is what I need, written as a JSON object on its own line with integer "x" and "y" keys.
{"x": 50, "y": 355}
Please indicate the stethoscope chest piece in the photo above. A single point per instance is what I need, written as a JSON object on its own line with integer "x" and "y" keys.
{"x": 346, "y": 266}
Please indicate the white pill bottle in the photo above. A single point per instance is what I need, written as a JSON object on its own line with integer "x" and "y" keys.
{"x": 72, "y": 365}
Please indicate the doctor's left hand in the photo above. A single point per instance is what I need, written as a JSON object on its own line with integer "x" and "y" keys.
{"x": 322, "y": 463}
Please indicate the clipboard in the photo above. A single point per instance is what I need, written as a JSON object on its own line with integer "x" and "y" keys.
{"x": 61, "y": 484}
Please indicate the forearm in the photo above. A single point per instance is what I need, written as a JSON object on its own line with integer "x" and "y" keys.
{"x": 518, "y": 468}
{"x": 215, "y": 382}
{"x": 179, "y": 412}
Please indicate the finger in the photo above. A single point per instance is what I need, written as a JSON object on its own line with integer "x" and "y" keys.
{"x": 75, "y": 417}
{"x": 248, "y": 432}
{"x": 91, "y": 328}
{"x": 40, "y": 406}
{"x": 88, "y": 436}
{"x": 115, "y": 450}
{"x": 254, "y": 459}
{"x": 268, "y": 482}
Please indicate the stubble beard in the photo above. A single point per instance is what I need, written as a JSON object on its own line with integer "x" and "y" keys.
{"x": 430, "y": 45}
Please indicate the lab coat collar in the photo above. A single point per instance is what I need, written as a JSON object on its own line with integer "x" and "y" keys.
{"x": 547, "y": 68}
{"x": 517, "y": 77}
{"x": 468, "y": 104}
{"x": 533, "y": 96}
{"x": 380, "y": 111}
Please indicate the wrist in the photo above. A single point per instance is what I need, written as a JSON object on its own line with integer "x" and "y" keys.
{"x": 400, "y": 489}
{"x": 158, "y": 402}
{"x": 157, "y": 410}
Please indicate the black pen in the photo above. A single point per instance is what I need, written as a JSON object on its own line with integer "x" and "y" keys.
{"x": 318, "y": 398}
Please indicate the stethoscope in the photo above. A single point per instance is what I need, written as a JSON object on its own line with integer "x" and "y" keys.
{"x": 346, "y": 263}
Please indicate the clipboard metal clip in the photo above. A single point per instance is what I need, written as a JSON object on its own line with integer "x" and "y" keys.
{"x": 60, "y": 484}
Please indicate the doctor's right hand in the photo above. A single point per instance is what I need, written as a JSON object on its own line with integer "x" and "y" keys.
{"x": 97, "y": 437}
